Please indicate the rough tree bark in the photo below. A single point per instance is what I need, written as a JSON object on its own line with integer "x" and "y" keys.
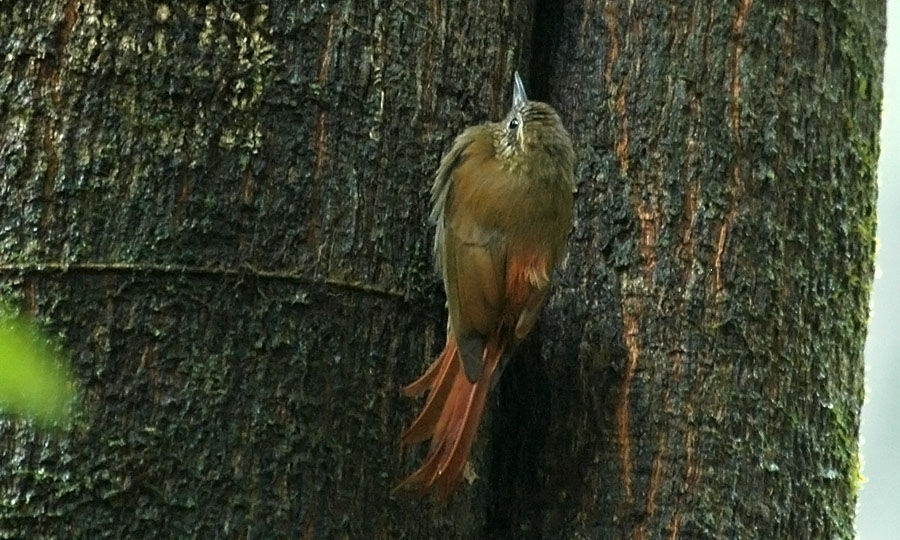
{"x": 222, "y": 211}
{"x": 726, "y": 234}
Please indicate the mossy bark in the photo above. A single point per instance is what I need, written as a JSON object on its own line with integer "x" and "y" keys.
{"x": 222, "y": 211}
{"x": 725, "y": 240}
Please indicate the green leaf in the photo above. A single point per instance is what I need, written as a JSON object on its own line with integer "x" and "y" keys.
{"x": 33, "y": 381}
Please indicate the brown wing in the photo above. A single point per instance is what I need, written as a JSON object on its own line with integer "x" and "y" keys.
{"x": 473, "y": 278}
{"x": 473, "y": 252}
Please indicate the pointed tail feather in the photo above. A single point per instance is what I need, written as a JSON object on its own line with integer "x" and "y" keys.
{"x": 450, "y": 417}
{"x": 425, "y": 382}
{"x": 439, "y": 379}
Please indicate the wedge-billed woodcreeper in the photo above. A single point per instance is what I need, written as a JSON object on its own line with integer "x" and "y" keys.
{"x": 502, "y": 206}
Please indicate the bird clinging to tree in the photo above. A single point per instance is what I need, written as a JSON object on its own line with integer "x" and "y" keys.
{"x": 502, "y": 206}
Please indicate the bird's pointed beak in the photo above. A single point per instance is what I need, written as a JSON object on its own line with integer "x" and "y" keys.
{"x": 519, "y": 96}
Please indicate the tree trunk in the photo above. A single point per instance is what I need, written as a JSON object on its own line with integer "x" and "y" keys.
{"x": 222, "y": 210}
{"x": 725, "y": 241}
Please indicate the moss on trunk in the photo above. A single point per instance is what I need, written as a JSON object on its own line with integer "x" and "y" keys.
{"x": 222, "y": 210}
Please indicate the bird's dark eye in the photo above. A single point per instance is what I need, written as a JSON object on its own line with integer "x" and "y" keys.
{"x": 513, "y": 124}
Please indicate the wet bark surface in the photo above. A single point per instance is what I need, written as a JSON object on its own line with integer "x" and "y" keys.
{"x": 222, "y": 212}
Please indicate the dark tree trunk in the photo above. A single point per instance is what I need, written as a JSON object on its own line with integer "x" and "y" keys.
{"x": 222, "y": 210}
{"x": 725, "y": 241}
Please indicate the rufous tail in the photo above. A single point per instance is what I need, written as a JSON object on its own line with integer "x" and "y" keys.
{"x": 450, "y": 417}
